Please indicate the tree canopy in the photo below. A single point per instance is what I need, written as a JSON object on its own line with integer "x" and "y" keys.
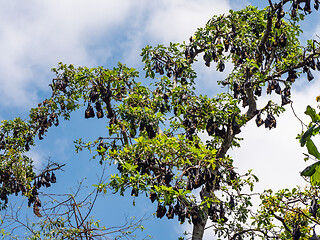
{"x": 152, "y": 141}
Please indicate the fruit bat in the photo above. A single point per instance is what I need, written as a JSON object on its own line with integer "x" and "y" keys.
{"x": 314, "y": 207}
{"x": 36, "y": 210}
{"x": 4, "y": 197}
{"x": 170, "y": 212}
{"x": 235, "y": 127}
{"x": 190, "y": 183}
{"x": 99, "y": 112}
{"x": 269, "y": 90}
{"x": 30, "y": 200}
{"x": 318, "y": 65}
{"x": 316, "y": 5}
{"x": 198, "y": 180}
{"x": 162, "y": 108}
{"x": 53, "y": 178}
{"x": 244, "y": 53}
{"x": 268, "y": 45}
{"x": 94, "y": 95}
{"x": 222, "y": 211}
{"x": 142, "y": 126}
{"x": 208, "y": 176}
{"x": 227, "y": 43}
{"x": 165, "y": 97}
{"x": 284, "y": 100}
{"x": 156, "y": 67}
{"x": 40, "y": 136}
{"x": 220, "y": 49}
{"x": 150, "y": 131}
{"x": 283, "y": 40}
{"x": 152, "y": 196}
{"x": 292, "y": 75}
{"x": 234, "y": 30}
{"x": 214, "y": 56}
{"x": 309, "y": 75}
{"x": 134, "y": 192}
{"x": 44, "y": 182}
{"x": 231, "y": 203}
{"x": 236, "y": 89}
{"x": 47, "y": 177}
{"x": 168, "y": 177}
{"x": 270, "y": 121}
{"x": 195, "y": 217}
{"x": 106, "y": 94}
{"x": 296, "y": 234}
{"x": 233, "y": 174}
{"x": 245, "y": 102}
{"x": 217, "y": 184}
{"x": 207, "y": 58}
{"x": 220, "y": 132}
{"x": 221, "y": 66}
{"x": 184, "y": 81}
{"x": 212, "y": 210}
{"x": 161, "y": 211}
{"x": 214, "y": 217}
{"x": 258, "y": 91}
{"x": 182, "y": 215}
{"x": 57, "y": 121}
{"x": 280, "y": 13}
{"x": 312, "y": 64}
{"x": 286, "y": 92}
{"x": 37, "y": 201}
{"x": 39, "y": 184}
{"x": 187, "y": 53}
{"x": 278, "y": 89}
{"x": 27, "y": 147}
{"x": 161, "y": 71}
{"x": 177, "y": 208}
{"x": 89, "y": 113}
{"x": 307, "y": 6}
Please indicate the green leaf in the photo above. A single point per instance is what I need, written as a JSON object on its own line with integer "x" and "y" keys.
{"x": 310, "y": 170}
{"x": 315, "y": 178}
{"x": 312, "y": 149}
{"x": 306, "y": 136}
{"x": 312, "y": 113}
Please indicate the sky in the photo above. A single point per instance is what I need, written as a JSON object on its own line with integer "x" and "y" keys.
{"x": 35, "y": 35}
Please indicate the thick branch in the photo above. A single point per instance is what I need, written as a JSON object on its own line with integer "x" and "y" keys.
{"x": 252, "y": 111}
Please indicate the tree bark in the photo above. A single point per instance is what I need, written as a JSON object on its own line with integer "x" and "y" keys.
{"x": 198, "y": 229}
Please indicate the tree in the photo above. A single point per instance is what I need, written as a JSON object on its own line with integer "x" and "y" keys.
{"x": 153, "y": 130}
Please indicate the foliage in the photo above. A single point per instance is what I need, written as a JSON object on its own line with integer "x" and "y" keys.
{"x": 153, "y": 131}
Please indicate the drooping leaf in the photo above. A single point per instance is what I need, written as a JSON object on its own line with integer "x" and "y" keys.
{"x": 306, "y": 136}
{"x": 312, "y": 149}
{"x": 312, "y": 113}
{"x": 315, "y": 178}
{"x": 310, "y": 170}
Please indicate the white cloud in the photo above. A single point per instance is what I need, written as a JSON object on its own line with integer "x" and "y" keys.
{"x": 36, "y": 35}
{"x": 275, "y": 155}
{"x": 177, "y": 20}
{"x": 37, "y": 157}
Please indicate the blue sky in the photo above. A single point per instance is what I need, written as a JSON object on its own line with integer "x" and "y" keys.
{"x": 35, "y": 35}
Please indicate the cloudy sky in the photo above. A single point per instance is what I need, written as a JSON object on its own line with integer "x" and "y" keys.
{"x": 35, "y": 35}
